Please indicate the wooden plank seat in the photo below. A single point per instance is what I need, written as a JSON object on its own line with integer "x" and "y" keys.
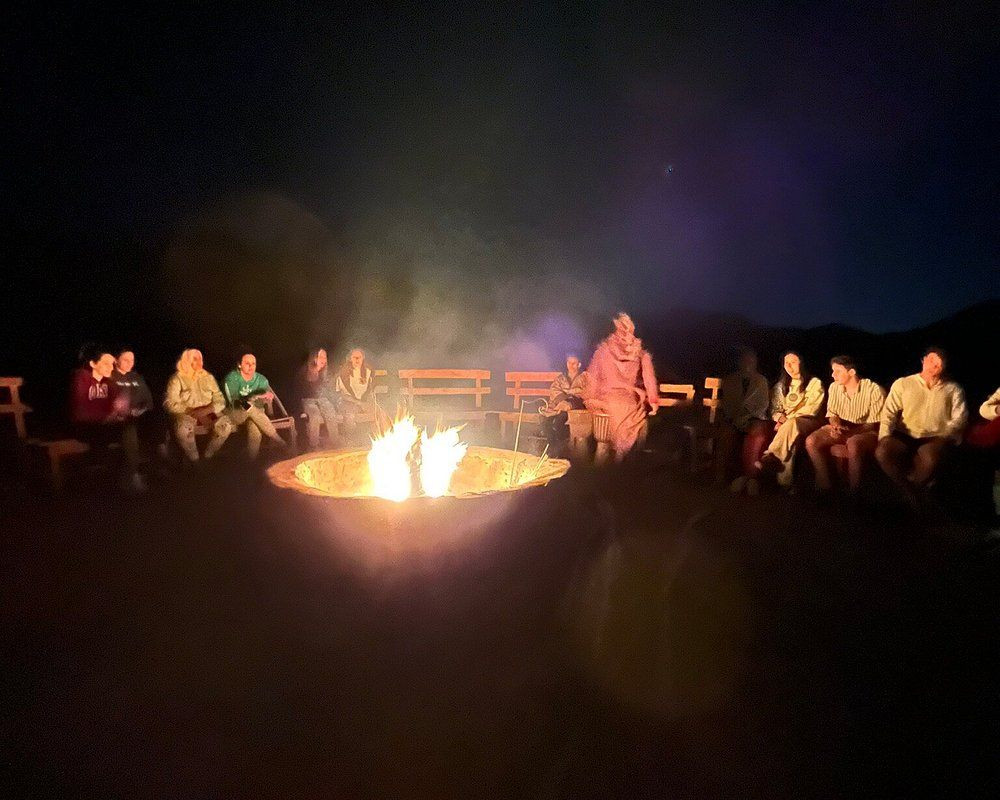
{"x": 57, "y": 450}
{"x": 15, "y": 407}
{"x": 464, "y": 385}
{"x": 524, "y": 386}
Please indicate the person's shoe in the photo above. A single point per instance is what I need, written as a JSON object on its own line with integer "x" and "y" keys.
{"x": 738, "y": 484}
{"x": 753, "y": 487}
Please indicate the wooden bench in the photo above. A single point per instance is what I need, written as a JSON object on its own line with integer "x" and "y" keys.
{"x": 57, "y": 450}
{"x": 456, "y": 385}
{"x": 701, "y": 436}
{"x": 15, "y": 407}
{"x": 522, "y": 386}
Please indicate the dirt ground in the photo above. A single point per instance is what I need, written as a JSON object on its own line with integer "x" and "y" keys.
{"x": 625, "y": 633}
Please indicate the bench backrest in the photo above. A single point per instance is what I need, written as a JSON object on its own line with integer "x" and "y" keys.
{"x": 675, "y": 394}
{"x": 712, "y": 401}
{"x": 451, "y": 380}
{"x": 519, "y": 389}
{"x": 15, "y": 406}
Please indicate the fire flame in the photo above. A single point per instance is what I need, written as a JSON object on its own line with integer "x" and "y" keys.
{"x": 439, "y": 457}
{"x": 389, "y": 461}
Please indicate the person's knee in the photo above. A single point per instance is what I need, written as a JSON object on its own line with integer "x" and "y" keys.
{"x": 814, "y": 442}
{"x": 222, "y": 427}
{"x": 883, "y": 452}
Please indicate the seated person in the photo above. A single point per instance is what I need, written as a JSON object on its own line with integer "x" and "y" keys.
{"x": 316, "y": 395}
{"x": 743, "y": 408}
{"x": 193, "y": 398}
{"x": 622, "y": 384}
{"x": 130, "y": 386}
{"x": 246, "y": 392}
{"x": 101, "y": 416}
{"x": 854, "y": 408}
{"x": 565, "y": 395}
{"x": 923, "y": 415}
{"x": 986, "y": 435}
{"x": 355, "y": 393}
{"x": 796, "y": 401}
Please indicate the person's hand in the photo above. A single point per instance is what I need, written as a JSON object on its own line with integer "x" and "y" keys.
{"x": 652, "y": 410}
{"x": 782, "y": 419}
{"x": 268, "y": 396}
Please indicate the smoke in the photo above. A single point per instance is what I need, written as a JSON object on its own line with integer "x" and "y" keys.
{"x": 444, "y": 295}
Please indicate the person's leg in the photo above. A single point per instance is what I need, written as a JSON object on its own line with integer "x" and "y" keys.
{"x": 985, "y": 435}
{"x": 725, "y": 442}
{"x": 754, "y": 444}
{"x": 184, "y": 427}
{"x": 860, "y": 447}
{"x": 926, "y": 460}
{"x": 258, "y": 419}
{"x": 893, "y": 456}
{"x": 222, "y": 428}
{"x": 818, "y": 444}
{"x": 332, "y": 419}
{"x": 314, "y": 418}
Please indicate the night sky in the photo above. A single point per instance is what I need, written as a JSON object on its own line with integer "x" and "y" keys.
{"x": 798, "y": 165}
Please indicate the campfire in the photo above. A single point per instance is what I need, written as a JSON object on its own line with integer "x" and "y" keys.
{"x": 406, "y": 462}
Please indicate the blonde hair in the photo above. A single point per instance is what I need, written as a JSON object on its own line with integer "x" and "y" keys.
{"x": 184, "y": 362}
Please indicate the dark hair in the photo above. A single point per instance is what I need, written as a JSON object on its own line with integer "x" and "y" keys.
{"x": 786, "y": 380}
{"x": 91, "y": 352}
{"x": 938, "y": 351}
{"x": 311, "y": 357}
{"x": 845, "y": 361}
{"x": 941, "y": 353}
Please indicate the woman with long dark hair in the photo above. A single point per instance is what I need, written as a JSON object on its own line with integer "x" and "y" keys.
{"x": 316, "y": 394}
{"x": 796, "y": 404}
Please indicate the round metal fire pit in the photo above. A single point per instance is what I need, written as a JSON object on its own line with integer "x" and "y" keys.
{"x": 480, "y": 498}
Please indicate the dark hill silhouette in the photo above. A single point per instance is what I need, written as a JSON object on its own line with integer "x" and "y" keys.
{"x": 693, "y": 344}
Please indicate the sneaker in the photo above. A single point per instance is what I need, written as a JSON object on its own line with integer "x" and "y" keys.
{"x": 738, "y": 483}
{"x": 753, "y": 487}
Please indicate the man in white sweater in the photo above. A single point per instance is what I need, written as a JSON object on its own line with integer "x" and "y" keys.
{"x": 923, "y": 415}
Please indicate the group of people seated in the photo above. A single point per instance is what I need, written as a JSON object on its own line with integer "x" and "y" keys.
{"x": 110, "y": 403}
{"x": 908, "y": 431}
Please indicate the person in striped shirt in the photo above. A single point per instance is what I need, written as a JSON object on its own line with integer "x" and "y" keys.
{"x": 923, "y": 414}
{"x": 854, "y": 408}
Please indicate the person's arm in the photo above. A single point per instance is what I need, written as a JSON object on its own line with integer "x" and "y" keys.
{"x": 815, "y": 393}
{"x": 777, "y": 403}
{"x": 144, "y": 399}
{"x": 874, "y": 412}
{"x": 959, "y": 414}
{"x": 649, "y": 382}
{"x": 756, "y": 399}
{"x": 173, "y": 402}
{"x": 218, "y": 401}
{"x": 891, "y": 408}
{"x": 81, "y": 409}
{"x": 991, "y": 408}
{"x": 230, "y": 389}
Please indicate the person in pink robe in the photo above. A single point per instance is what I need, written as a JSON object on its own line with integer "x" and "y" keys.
{"x": 623, "y": 385}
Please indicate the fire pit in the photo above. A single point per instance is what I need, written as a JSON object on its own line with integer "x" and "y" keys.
{"x": 414, "y": 492}
{"x": 346, "y": 474}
